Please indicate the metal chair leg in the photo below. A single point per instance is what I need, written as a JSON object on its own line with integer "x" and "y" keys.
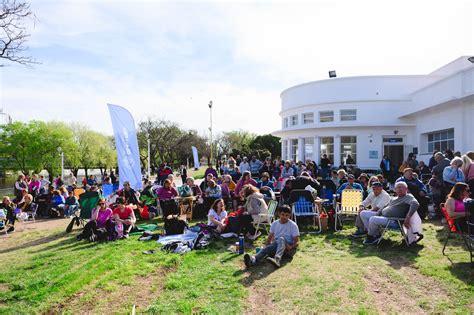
{"x": 446, "y": 242}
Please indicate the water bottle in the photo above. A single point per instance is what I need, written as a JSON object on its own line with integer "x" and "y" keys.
{"x": 241, "y": 244}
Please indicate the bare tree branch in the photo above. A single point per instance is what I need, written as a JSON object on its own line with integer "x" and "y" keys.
{"x": 14, "y": 18}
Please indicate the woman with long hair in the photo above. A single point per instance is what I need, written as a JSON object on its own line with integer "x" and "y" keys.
{"x": 217, "y": 216}
{"x": 455, "y": 204}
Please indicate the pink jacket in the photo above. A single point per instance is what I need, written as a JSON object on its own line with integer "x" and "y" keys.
{"x": 241, "y": 184}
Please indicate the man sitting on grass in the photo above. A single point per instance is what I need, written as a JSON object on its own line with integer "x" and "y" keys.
{"x": 402, "y": 206}
{"x": 284, "y": 236}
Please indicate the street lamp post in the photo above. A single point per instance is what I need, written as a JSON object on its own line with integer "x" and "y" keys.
{"x": 149, "y": 169}
{"x": 210, "y": 129}
{"x": 62, "y": 162}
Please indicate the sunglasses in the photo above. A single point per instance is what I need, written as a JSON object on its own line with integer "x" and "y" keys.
{"x": 101, "y": 204}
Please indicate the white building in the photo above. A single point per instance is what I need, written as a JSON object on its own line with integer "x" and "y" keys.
{"x": 369, "y": 116}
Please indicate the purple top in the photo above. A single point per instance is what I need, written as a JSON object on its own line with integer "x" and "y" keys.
{"x": 166, "y": 194}
{"x": 34, "y": 186}
{"x": 103, "y": 217}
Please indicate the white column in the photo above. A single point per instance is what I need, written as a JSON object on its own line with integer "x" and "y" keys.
{"x": 337, "y": 150}
{"x": 316, "y": 150}
{"x": 288, "y": 149}
{"x": 300, "y": 155}
{"x": 283, "y": 153}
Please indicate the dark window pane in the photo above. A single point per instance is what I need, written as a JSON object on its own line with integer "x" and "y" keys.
{"x": 430, "y": 137}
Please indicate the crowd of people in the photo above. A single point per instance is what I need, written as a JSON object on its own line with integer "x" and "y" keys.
{"x": 233, "y": 195}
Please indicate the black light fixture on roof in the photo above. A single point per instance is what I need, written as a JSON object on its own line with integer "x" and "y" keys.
{"x": 471, "y": 59}
{"x": 332, "y": 74}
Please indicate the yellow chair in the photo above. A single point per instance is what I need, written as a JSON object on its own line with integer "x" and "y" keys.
{"x": 349, "y": 205}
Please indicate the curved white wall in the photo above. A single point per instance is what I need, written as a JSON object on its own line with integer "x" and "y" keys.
{"x": 409, "y": 107}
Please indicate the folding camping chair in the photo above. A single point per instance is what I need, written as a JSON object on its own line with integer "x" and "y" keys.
{"x": 78, "y": 192}
{"x": 32, "y": 213}
{"x": 349, "y": 205}
{"x": 303, "y": 205}
{"x": 267, "y": 218}
{"x": 327, "y": 193}
{"x": 107, "y": 190}
{"x": 453, "y": 228}
{"x": 87, "y": 202}
{"x": 395, "y": 224}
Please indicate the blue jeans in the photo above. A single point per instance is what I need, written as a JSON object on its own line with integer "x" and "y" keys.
{"x": 70, "y": 209}
{"x": 276, "y": 248}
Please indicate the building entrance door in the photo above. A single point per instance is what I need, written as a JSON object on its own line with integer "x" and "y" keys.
{"x": 395, "y": 154}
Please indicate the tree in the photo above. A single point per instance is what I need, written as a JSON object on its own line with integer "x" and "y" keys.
{"x": 34, "y": 146}
{"x": 266, "y": 145}
{"x": 168, "y": 142}
{"x": 14, "y": 17}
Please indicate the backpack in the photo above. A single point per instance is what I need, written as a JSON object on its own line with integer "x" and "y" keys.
{"x": 174, "y": 226}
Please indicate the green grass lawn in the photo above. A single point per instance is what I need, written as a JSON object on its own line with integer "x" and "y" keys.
{"x": 46, "y": 270}
{"x": 197, "y": 174}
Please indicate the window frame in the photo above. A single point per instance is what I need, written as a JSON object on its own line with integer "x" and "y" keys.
{"x": 326, "y": 121}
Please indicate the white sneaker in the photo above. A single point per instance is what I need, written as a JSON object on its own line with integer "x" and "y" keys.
{"x": 274, "y": 260}
{"x": 253, "y": 237}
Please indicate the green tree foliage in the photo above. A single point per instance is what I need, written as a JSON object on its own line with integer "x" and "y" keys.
{"x": 33, "y": 147}
{"x": 168, "y": 142}
{"x": 266, "y": 145}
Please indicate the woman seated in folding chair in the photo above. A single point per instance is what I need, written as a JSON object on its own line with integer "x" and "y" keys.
{"x": 100, "y": 226}
{"x": 246, "y": 179}
{"x": 455, "y": 205}
{"x": 253, "y": 206}
{"x": 167, "y": 191}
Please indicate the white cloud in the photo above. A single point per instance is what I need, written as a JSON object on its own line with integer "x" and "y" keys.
{"x": 169, "y": 59}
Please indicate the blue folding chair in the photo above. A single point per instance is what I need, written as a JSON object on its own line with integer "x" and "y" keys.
{"x": 302, "y": 203}
{"x": 107, "y": 190}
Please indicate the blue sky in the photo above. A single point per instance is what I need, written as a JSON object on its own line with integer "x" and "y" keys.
{"x": 169, "y": 58}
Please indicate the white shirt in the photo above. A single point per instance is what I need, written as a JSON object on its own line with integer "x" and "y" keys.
{"x": 288, "y": 231}
{"x": 244, "y": 167}
{"x": 217, "y": 217}
{"x": 380, "y": 201}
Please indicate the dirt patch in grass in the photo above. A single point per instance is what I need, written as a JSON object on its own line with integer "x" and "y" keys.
{"x": 142, "y": 292}
{"x": 411, "y": 293}
{"x": 259, "y": 301}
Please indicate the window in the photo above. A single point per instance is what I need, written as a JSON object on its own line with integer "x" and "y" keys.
{"x": 326, "y": 116}
{"x": 348, "y": 114}
{"x": 441, "y": 140}
{"x": 285, "y": 122}
{"x": 308, "y": 118}
{"x": 294, "y": 150}
{"x": 284, "y": 153}
{"x": 349, "y": 149}
{"x": 327, "y": 147}
{"x": 308, "y": 148}
{"x": 293, "y": 120}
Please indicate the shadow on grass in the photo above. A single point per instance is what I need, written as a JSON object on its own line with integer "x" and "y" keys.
{"x": 261, "y": 270}
{"x": 34, "y": 243}
{"x": 463, "y": 271}
{"x": 395, "y": 252}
